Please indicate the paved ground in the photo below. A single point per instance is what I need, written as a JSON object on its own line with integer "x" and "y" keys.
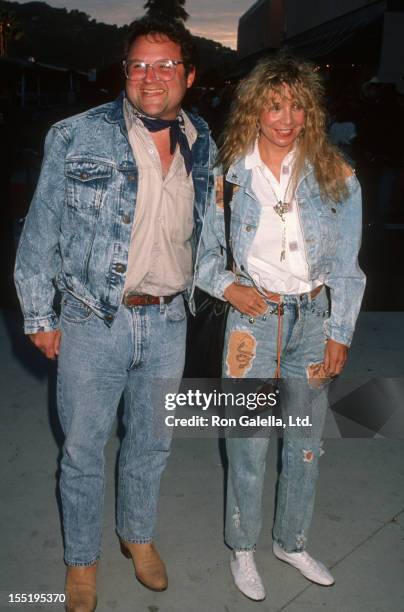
{"x": 358, "y": 528}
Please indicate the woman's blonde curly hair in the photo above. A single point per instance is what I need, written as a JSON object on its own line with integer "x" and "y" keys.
{"x": 254, "y": 93}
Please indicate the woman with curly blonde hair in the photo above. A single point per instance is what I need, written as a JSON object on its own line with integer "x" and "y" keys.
{"x": 295, "y": 291}
{"x": 305, "y": 86}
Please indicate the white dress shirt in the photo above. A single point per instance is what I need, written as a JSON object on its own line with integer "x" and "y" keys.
{"x": 289, "y": 276}
{"x": 160, "y": 253}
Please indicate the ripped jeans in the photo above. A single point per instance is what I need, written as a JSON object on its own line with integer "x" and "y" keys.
{"x": 251, "y": 351}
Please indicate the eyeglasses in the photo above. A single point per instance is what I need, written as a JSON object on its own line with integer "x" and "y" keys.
{"x": 164, "y": 70}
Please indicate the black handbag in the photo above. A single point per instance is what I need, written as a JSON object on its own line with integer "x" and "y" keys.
{"x": 206, "y": 330}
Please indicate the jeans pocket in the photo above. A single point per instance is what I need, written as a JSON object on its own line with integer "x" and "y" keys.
{"x": 320, "y": 305}
{"x": 175, "y": 310}
{"x": 75, "y": 311}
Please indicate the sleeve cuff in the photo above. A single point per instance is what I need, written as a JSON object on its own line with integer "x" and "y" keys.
{"x": 49, "y": 323}
{"x": 332, "y": 332}
{"x": 225, "y": 281}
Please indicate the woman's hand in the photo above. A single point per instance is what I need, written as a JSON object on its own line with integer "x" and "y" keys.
{"x": 335, "y": 357}
{"x": 246, "y": 300}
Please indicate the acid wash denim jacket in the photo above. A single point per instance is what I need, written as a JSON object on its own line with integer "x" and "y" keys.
{"x": 77, "y": 233}
{"x": 331, "y": 234}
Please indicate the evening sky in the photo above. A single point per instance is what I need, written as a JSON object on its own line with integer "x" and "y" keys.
{"x": 216, "y": 19}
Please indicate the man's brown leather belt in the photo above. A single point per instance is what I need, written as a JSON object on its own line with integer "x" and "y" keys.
{"x": 276, "y": 297}
{"x": 133, "y": 299}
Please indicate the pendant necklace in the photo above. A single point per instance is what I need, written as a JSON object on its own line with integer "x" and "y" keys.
{"x": 281, "y": 208}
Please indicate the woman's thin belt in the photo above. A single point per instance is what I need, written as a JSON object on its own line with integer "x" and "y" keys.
{"x": 278, "y": 299}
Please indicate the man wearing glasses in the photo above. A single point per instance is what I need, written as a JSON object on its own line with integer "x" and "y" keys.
{"x": 114, "y": 224}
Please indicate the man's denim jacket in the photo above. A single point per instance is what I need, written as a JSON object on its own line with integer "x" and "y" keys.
{"x": 331, "y": 234}
{"x": 77, "y": 233}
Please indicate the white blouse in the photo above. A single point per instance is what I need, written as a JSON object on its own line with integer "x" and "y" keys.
{"x": 264, "y": 263}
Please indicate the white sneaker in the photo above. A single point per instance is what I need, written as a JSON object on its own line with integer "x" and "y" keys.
{"x": 245, "y": 575}
{"x": 310, "y": 568}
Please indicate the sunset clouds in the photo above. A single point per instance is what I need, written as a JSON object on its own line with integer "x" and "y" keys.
{"x": 217, "y": 19}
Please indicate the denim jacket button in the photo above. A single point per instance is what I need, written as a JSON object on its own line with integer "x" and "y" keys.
{"x": 248, "y": 228}
{"x": 83, "y": 175}
{"x": 109, "y": 318}
{"x": 131, "y": 177}
{"x": 120, "y": 268}
{"x": 126, "y": 218}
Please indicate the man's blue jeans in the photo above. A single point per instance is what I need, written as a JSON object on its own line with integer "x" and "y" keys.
{"x": 97, "y": 364}
{"x": 250, "y": 351}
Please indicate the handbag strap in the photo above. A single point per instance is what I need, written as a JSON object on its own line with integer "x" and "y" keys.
{"x": 227, "y": 195}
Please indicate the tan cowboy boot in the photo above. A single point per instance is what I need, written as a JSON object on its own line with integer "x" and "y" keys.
{"x": 80, "y": 588}
{"x": 149, "y": 567}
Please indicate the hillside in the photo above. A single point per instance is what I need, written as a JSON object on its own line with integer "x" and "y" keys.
{"x": 73, "y": 39}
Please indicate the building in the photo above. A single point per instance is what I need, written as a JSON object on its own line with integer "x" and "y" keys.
{"x": 348, "y": 31}
{"x": 261, "y": 27}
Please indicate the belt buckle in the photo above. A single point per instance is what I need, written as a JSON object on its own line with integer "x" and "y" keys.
{"x": 127, "y": 296}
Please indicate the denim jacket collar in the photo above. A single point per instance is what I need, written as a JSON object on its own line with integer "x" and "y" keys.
{"x": 237, "y": 174}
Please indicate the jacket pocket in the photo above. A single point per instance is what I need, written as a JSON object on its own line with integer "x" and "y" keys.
{"x": 86, "y": 184}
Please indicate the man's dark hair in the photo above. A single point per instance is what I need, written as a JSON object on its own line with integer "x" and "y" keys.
{"x": 172, "y": 29}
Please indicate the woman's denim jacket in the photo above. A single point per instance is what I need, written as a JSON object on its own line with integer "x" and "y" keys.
{"x": 78, "y": 229}
{"x": 331, "y": 234}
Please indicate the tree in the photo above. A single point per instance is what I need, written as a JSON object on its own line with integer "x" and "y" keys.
{"x": 166, "y": 8}
{"x": 10, "y": 29}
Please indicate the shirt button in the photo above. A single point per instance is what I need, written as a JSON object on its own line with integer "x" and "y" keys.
{"x": 83, "y": 175}
{"x": 126, "y": 218}
{"x": 120, "y": 267}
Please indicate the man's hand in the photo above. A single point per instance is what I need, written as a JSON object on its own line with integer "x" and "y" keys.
{"x": 246, "y": 300}
{"x": 335, "y": 357}
{"x": 48, "y": 342}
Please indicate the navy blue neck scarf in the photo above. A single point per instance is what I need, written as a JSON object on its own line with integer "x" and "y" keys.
{"x": 177, "y": 135}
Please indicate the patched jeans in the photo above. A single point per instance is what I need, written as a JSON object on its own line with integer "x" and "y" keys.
{"x": 251, "y": 351}
{"x": 98, "y": 364}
